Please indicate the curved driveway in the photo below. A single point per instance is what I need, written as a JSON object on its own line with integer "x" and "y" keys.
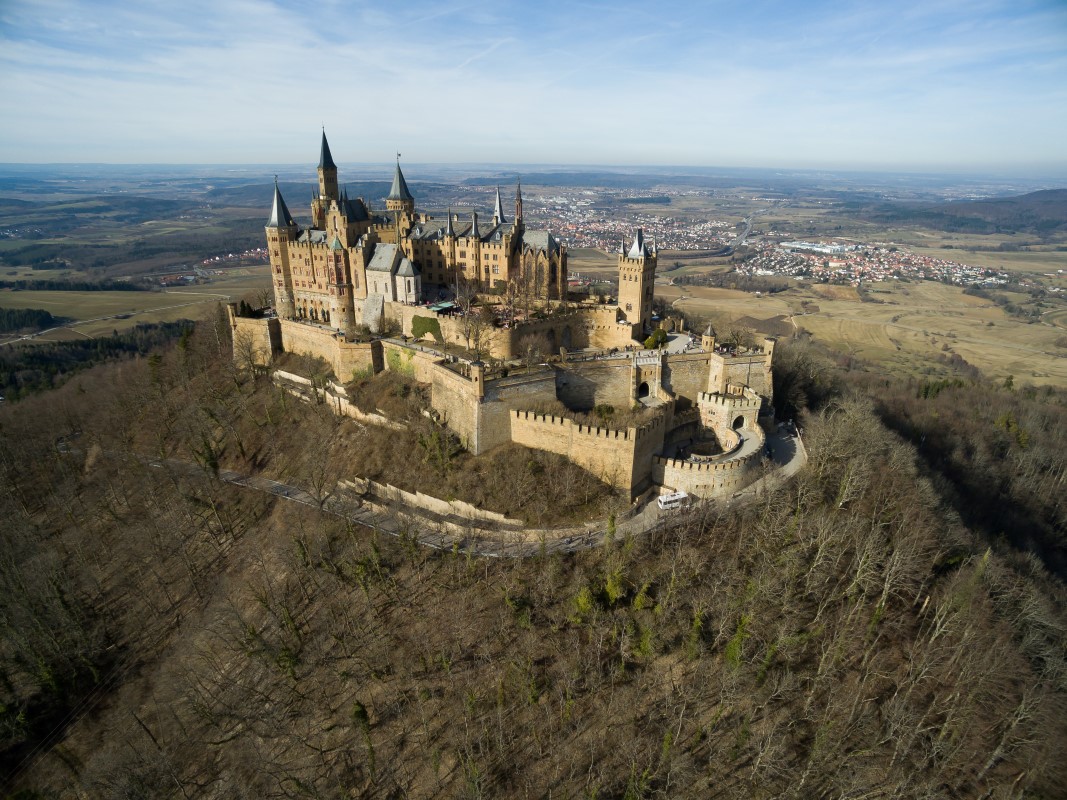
{"x": 482, "y": 539}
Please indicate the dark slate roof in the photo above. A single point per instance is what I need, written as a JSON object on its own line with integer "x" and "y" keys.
{"x": 336, "y": 244}
{"x": 383, "y": 259}
{"x": 433, "y": 229}
{"x": 540, "y": 240}
{"x": 325, "y": 159}
{"x": 279, "y": 214}
{"x": 355, "y": 210}
{"x": 399, "y": 189}
{"x": 638, "y": 249}
{"x": 406, "y": 269}
{"x": 440, "y": 228}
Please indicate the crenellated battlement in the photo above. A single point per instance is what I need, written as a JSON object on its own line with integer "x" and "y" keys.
{"x": 699, "y": 466}
{"x": 731, "y": 401}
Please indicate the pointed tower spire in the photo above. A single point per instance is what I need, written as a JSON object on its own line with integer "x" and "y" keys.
{"x": 474, "y": 226}
{"x": 638, "y": 249}
{"x": 399, "y": 189}
{"x": 399, "y": 198}
{"x": 279, "y": 214}
{"x": 325, "y": 158}
{"x": 518, "y": 200}
{"x": 327, "y": 174}
{"x": 449, "y": 230}
{"x": 498, "y": 212}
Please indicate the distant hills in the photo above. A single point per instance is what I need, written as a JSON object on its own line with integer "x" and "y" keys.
{"x": 1042, "y": 213}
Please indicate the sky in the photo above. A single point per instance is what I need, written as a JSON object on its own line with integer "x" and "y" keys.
{"x": 910, "y": 85}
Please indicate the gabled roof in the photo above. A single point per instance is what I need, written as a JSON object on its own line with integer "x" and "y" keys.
{"x": 279, "y": 214}
{"x": 354, "y": 210}
{"x": 399, "y": 189}
{"x": 384, "y": 258}
{"x": 540, "y": 240}
{"x": 325, "y": 159}
{"x": 336, "y": 244}
{"x": 406, "y": 269}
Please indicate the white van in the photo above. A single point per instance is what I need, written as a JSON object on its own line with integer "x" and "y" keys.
{"x": 673, "y": 500}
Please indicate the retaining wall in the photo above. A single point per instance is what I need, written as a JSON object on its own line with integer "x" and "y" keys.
{"x": 621, "y": 458}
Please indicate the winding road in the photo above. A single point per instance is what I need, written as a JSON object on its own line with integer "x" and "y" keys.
{"x": 478, "y": 538}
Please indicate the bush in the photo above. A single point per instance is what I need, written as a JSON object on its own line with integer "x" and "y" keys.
{"x": 420, "y": 326}
{"x": 657, "y": 339}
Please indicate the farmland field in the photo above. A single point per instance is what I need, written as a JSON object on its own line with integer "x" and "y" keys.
{"x": 100, "y": 313}
{"x": 909, "y": 333}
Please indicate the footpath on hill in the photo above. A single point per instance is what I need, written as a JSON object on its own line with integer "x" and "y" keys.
{"x": 482, "y": 538}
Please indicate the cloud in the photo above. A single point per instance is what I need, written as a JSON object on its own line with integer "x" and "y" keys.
{"x": 768, "y": 83}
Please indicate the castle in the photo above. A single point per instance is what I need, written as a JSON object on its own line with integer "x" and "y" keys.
{"x": 354, "y": 271}
{"x": 343, "y": 268}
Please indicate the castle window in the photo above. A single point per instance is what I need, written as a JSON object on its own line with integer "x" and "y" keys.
{"x": 629, "y": 307}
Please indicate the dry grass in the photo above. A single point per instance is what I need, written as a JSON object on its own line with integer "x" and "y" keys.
{"x": 908, "y": 333}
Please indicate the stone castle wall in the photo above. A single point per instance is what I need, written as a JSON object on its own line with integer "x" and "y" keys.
{"x": 455, "y": 399}
{"x": 256, "y": 339}
{"x": 686, "y": 376}
{"x": 585, "y": 384}
{"x": 752, "y": 370}
{"x": 346, "y": 358}
{"x": 621, "y": 458}
{"x": 720, "y": 412}
{"x": 503, "y": 395}
{"x": 705, "y": 480}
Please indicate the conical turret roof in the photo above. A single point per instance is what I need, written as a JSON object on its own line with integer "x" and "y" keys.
{"x": 325, "y": 158}
{"x": 399, "y": 189}
{"x": 279, "y": 214}
{"x": 449, "y": 230}
{"x": 498, "y": 212}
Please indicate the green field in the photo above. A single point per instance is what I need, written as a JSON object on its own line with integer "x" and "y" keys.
{"x": 100, "y": 313}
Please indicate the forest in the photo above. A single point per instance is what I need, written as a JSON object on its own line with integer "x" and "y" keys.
{"x": 18, "y": 319}
{"x": 865, "y": 631}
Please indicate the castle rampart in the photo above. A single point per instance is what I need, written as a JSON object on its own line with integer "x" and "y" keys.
{"x": 616, "y": 456}
{"x": 716, "y": 476}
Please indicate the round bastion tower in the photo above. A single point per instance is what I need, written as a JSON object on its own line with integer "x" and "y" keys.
{"x": 281, "y": 230}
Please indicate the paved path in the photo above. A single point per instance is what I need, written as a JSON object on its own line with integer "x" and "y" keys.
{"x": 479, "y": 538}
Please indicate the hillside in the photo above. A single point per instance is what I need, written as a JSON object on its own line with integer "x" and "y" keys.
{"x": 1042, "y": 213}
{"x": 166, "y": 635}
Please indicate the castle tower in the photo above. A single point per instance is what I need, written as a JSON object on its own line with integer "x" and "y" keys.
{"x": 474, "y": 242}
{"x": 327, "y": 186}
{"x": 518, "y": 203}
{"x": 342, "y": 306}
{"x": 707, "y": 339}
{"x": 399, "y": 198}
{"x": 637, "y": 274}
{"x": 327, "y": 172}
{"x": 281, "y": 230}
